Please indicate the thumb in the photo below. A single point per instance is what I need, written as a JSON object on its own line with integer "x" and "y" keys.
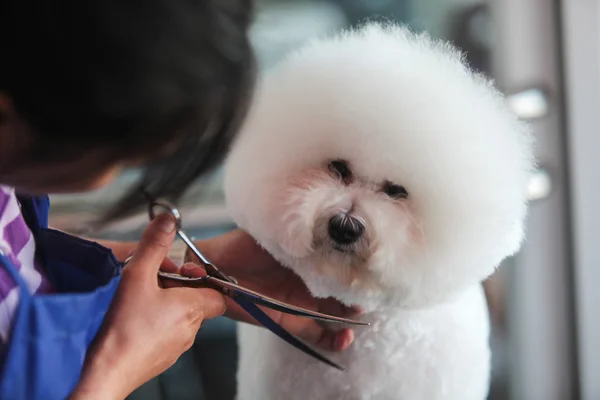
{"x": 154, "y": 246}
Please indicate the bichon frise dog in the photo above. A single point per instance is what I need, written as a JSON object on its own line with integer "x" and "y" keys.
{"x": 385, "y": 173}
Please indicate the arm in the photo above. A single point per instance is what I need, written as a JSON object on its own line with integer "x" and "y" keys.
{"x": 121, "y": 250}
{"x": 236, "y": 253}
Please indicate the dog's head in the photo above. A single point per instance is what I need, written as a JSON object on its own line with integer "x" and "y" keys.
{"x": 381, "y": 170}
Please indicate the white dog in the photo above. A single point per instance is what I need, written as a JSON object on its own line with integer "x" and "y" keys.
{"x": 385, "y": 173}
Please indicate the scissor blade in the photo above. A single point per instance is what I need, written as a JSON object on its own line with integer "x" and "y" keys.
{"x": 237, "y": 291}
{"x": 251, "y": 309}
{"x": 271, "y": 325}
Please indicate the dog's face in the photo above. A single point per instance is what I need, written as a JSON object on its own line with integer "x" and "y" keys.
{"x": 347, "y": 227}
{"x": 375, "y": 197}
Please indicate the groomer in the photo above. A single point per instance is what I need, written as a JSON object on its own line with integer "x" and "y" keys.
{"x": 88, "y": 87}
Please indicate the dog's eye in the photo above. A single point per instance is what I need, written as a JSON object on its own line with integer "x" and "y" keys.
{"x": 395, "y": 191}
{"x": 341, "y": 169}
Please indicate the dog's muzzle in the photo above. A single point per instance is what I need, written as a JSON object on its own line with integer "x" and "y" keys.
{"x": 345, "y": 230}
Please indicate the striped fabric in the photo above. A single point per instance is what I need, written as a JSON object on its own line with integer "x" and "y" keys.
{"x": 18, "y": 245}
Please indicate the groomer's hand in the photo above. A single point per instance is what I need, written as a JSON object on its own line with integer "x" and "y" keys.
{"x": 147, "y": 327}
{"x": 237, "y": 254}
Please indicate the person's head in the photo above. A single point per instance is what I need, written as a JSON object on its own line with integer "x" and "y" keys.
{"x": 90, "y": 86}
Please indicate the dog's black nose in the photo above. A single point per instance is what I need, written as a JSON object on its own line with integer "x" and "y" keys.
{"x": 344, "y": 229}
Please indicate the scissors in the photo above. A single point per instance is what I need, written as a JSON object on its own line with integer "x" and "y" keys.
{"x": 246, "y": 298}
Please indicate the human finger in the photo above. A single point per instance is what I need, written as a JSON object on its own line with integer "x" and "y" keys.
{"x": 169, "y": 265}
{"x": 153, "y": 247}
{"x": 187, "y": 269}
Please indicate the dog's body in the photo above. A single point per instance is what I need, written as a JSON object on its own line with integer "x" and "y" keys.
{"x": 435, "y": 354}
{"x": 386, "y": 174}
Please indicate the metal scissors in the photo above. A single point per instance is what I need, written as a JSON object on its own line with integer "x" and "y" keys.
{"x": 246, "y": 298}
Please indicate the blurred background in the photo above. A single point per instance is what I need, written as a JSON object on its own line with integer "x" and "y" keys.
{"x": 545, "y": 56}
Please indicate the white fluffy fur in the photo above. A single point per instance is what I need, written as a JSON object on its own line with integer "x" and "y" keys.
{"x": 398, "y": 107}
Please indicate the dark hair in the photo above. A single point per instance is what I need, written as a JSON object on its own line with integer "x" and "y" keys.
{"x": 141, "y": 78}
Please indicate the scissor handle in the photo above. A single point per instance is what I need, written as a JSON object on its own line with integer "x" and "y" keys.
{"x": 171, "y": 209}
{"x": 190, "y": 280}
{"x": 168, "y": 207}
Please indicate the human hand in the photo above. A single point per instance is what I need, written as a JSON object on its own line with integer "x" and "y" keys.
{"x": 148, "y": 326}
{"x": 237, "y": 254}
